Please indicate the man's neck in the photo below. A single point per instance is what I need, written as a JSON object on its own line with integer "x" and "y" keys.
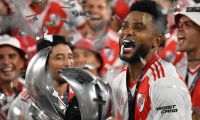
{"x": 7, "y": 87}
{"x": 194, "y": 58}
{"x": 95, "y": 34}
{"x": 134, "y": 71}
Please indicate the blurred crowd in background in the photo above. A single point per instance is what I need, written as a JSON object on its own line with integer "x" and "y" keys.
{"x": 91, "y": 26}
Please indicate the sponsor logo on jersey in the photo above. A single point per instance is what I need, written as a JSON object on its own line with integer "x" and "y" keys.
{"x": 167, "y": 109}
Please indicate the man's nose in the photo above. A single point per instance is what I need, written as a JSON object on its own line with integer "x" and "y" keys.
{"x": 68, "y": 63}
{"x": 128, "y": 31}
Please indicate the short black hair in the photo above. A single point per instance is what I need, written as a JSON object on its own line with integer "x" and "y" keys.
{"x": 151, "y": 7}
{"x": 57, "y": 39}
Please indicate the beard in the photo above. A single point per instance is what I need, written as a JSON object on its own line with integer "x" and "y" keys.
{"x": 97, "y": 28}
{"x": 60, "y": 80}
{"x": 142, "y": 51}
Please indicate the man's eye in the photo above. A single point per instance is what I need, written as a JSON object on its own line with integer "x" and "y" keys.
{"x": 59, "y": 57}
{"x": 139, "y": 27}
{"x": 124, "y": 26}
{"x": 188, "y": 24}
{"x": 11, "y": 56}
{"x": 70, "y": 57}
{"x": 1, "y": 56}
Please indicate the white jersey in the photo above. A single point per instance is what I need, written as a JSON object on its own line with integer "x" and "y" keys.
{"x": 20, "y": 106}
{"x": 162, "y": 95}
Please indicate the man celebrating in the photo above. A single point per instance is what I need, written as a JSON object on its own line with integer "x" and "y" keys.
{"x": 60, "y": 57}
{"x": 85, "y": 54}
{"x": 188, "y": 24}
{"x": 103, "y": 37}
{"x": 149, "y": 88}
{"x": 12, "y": 62}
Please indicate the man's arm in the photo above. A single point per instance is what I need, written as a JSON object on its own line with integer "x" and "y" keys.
{"x": 170, "y": 100}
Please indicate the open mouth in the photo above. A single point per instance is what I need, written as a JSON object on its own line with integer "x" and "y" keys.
{"x": 181, "y": 39}
{"x": 127, "y": 47}
{"x": 128, "y": 44}
{"x": 95, "y": 17}
{"x": 6, "y": 69}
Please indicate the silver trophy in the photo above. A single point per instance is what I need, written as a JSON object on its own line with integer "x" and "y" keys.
{"x": 40, "y": 86}
{"x": 91, "y": 94}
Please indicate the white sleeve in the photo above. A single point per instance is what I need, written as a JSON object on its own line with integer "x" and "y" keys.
{"x": 170, "y": 100}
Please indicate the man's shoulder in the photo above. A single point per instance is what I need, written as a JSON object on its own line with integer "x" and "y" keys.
{"x": 168, "y": 67}
{"x": 171, "y": 77}
{"x": 164, "y": 73}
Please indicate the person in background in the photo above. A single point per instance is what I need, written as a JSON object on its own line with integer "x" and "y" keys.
{"x": 97, "y": 28}
{"x": 188, "y": 34}
{"x": 169, "y": 53}
{"x": 12, "y": 64}
{"x": 60, "y": 57}
{"x": 4, "y": 8}
{"x": 43, "y": 16}
{"x": 149, "y": 88}
{"x": 5, "y": 11}
{"x": 86, "y": 56}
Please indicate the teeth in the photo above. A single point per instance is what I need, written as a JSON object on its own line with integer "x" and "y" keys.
{"x": 95, "y": 16}
{"x": 180, "y": 37}
{"x": 126, "y": 41}
{"x": 122, "y": 50}
{"x": 6, "y": 68}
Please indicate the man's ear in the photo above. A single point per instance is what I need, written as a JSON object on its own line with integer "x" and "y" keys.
{"x": 158, "y": 40}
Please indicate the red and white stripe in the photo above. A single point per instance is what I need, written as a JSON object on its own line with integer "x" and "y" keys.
{"x": 25, "y": 95}
{"x": 157, "y": 70}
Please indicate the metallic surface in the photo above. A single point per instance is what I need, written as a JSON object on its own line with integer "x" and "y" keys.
{"x": 39, "y": 86}
{"x": 93, "y": 94}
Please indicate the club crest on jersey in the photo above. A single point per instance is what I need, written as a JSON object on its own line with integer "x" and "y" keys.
{"x": 141, "y": 101}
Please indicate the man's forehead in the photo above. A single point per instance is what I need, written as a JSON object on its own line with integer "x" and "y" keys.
{"x": 9, "y": 48}
{"x": 102, "y": 2}
{"x": 56, "y": 51}
{"x": 138, "y": 16}
{"x": 82, "y": 51}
